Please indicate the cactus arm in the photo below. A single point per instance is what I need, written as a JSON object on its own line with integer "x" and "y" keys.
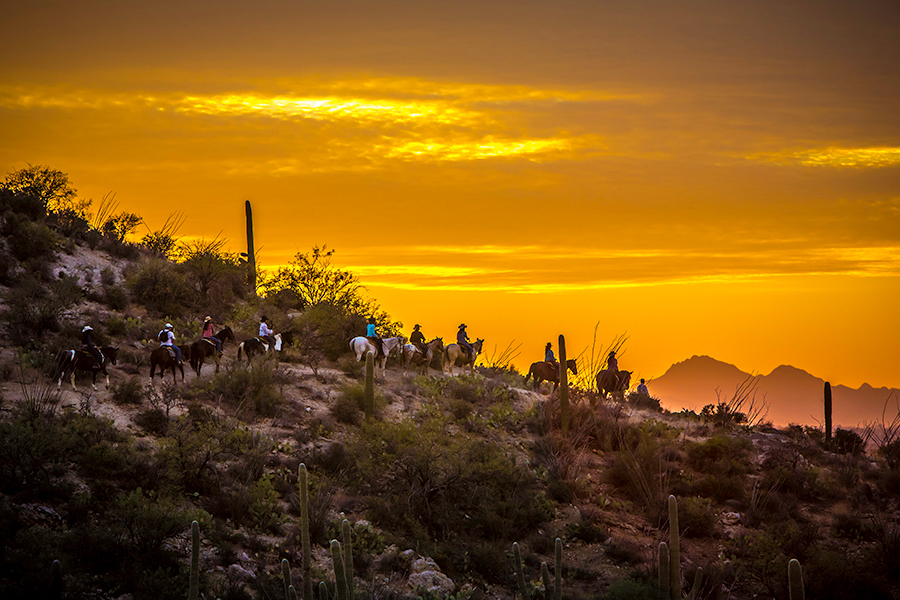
{"x": 194, "y": 589}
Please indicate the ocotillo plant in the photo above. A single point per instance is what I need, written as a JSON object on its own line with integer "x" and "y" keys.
{"x": 563, "y": 388}
{"x": 194, "y": 590}
{"x": 795, "y": 580}
{"x": 369, "y": 393}
{"x": 672, "y": 571}
{"x": 304, "y": 534}
{"x": 827, "y": 415}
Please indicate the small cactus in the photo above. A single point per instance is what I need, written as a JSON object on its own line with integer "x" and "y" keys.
{"x": 286, "y": 578}
{"x": 520, "y": 573}
{"x": 545, "y": 574}
{"x": 56, "y": 584}
{"x": 670, "y": 575}
{"x": 827, "y": 415}
{"x": 348, "y": 557}
{"x": 340, "y": 577}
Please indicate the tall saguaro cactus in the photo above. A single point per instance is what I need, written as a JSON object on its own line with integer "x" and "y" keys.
{"x": 251, "y": 255}
{"x": 304, "y": 534}
{"x": 796, "y": 590}
{"x": 563, "y": 388}
{"x": 194, "y": 590}
{"x": 369, "y": 393}
{"x": 827, "y": 414}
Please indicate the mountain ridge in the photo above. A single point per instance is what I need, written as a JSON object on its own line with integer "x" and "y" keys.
{"x": 792, "y": 394}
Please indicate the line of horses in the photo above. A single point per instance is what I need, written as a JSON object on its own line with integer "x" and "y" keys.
{"x": 69, "y": 361}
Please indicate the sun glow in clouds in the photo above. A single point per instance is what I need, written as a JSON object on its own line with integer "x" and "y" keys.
{"x": 836, "y": 157}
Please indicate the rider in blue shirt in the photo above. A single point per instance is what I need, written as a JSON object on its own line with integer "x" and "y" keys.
{"x": 548, "y": 354}
{"x": 370, "y": 333}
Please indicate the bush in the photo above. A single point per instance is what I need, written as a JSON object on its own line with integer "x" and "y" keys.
{"x": 846, "y": 441}
{"x": 160, "y": 286}
{"x": 631, "y": 589}
{"x": 250, "y": 390}
{"x": 129, "y": 391}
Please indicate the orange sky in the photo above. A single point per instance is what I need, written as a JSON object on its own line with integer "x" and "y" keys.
{"x": 707, "y": 177}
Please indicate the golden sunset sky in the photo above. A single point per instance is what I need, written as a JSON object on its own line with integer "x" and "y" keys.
{"x": 717, "y": 178}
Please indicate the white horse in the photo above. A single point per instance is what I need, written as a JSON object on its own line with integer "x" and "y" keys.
{"x": 454, "y": 355}
{"x": 360, "y": 345}
{"x": 412, "y": 354}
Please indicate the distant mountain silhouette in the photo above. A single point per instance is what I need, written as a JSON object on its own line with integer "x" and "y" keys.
{"x": 792, "y": 394}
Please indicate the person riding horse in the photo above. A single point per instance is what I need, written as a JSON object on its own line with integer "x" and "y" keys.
{"x": 87, "y": 343}
{"x": 209, "y": 333}
{"x": 167, "y": 339}
{"x": 265, "y": 332}
{"x": 548, "y": 355}
{"x": 370, "y": 333}
{"x": 611, "y": 363}
{"x": 642, "y": 388}
{"x": 417, "y": 339}
{"x": 462, "y": 338}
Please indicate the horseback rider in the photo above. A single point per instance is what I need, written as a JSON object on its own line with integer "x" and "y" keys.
{"x": 642, "y": 388}
{"x": 376, "y": 341}
{"x": 167, "y": 339}
{"x": 87, "y": 343}
{"x": 612, "y": 364}
{"x": 265, "y": 332}
{"x": 462, "y": 339}
{"x": 548, "y": 355}
{"x": 417, "y": 339}
{"x": 209, "y": 333}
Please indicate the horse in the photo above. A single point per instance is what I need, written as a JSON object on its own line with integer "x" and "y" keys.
{"x": 163, "y": 357}
{"x": 205, "y": 347}
{"x": 546, "y": 371}
{"x": 412, "y": 354}
{"x": 258, "y": 346}
{"x": 68, "y": 361}
{"x": 454, "y": 353}
{"x": 613, "y": 382}
{"x": 361, "y": 345}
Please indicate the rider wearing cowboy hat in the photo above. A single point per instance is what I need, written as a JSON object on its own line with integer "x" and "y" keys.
{"x": 462, "y": 338}
{"x": 548, "y": 354}
{"x": 209, "y": 333}
{"x": 611, "y": 363}
{"x": 376, "y": 341}
{"x": 87, "y": 343}
{"x": 417, "y": 339}
{"x": 642, "y": 388}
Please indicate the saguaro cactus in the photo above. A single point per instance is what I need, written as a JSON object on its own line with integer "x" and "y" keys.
{"x": 369, "y": 394}
{"x": 286, "y": 578}
{"x": 827, "y": 414}
{"x": 563, "y": 388}
{"x": 520, "y": 572}
{"x": 545, "y": 574}
{"x": 795, "y": 580}
{"x": 304, "y": 535}
{"x": 56, "y": 584}
{"x": 194, "y": 590}
{"x": 340, "y": 577}
{"x": 251, "y": 255}
{"x": 674, "y": 552}
{"x": 348, "y": 557}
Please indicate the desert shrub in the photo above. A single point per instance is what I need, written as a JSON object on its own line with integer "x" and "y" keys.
{"x": 720, "y": 455}
{"x": 787, "y": 471}
{"x": 645, "y": 401}
{"x": 352, "y": 368}
{"x": 624, "y": 551}
{"x": 29, "y": 240}
{"x": 642, "y": 468}
{"x": 153, "y": 420}
{"x": 130, "y": 391}
{"x": 251, "y": 391}
{"x": 158, "y": 285}
{"x": 34, "y": 446}
{"x": 845, "y": 441}
{"x": 631, "y": 588}
{"x": 332, "y": 327}
{"x": 696, "y": 517}
{"x": 424, "y": 481}
{"x": 115, "y": 297}
{"x": 33, "y": 308}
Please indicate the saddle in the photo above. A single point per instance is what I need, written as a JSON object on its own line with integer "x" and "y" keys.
{"x": 171, "y": 351}
{"x": 263, "y": 342}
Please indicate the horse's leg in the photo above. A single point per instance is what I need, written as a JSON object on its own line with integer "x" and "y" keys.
{"x": 73, "y": 381}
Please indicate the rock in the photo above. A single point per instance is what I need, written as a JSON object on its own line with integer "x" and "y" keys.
{"x": 731, "y": 519}
{"x": 240, "y": 573}
{"x": 426, "y": 576}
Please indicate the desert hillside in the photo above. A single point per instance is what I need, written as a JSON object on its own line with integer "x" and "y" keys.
{"x": 436, "y": 485}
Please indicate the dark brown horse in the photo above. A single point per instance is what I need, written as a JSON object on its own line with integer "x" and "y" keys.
{"x": 203, "y": 348}
{"x": 162, "y": 357}
{"x": 257, "y": 345}
{"x": 611, "y": 382}
{"x": 69, "y": 361}
{"x": 546, "y": 371}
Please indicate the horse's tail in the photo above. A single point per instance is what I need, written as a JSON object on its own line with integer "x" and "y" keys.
{"x": 63, "y": 359}
{"x": 240, "y": 348}
{"x": 193, "y": 359}
{"x": 530, "y": 373}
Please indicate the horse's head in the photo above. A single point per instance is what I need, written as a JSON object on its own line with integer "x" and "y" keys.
{"x": 478, "y": 344}
{"x": 572, "y": 365}
{"x": 110, "y": 353}
{"x": 438, "y": 344}
{"x": 624, "y": 380}
{"x": 226, "y": 334}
